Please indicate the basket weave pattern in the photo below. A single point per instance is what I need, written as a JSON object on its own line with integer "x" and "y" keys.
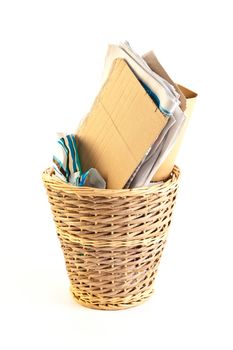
{"x": 112, "y": 240}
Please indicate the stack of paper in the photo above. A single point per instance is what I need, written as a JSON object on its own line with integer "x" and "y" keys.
{"x": 134, "y": 122}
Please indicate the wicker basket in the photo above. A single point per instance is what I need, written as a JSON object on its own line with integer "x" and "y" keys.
{"x": 112, "y": 240}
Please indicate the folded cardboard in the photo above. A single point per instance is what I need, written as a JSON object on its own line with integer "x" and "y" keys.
{"x": 121, "y": 127}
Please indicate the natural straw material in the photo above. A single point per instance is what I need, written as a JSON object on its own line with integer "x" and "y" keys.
{"x": 112, "y": 239}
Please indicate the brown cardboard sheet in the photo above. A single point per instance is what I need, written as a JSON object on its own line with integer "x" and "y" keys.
{"x": 122, "y": 125}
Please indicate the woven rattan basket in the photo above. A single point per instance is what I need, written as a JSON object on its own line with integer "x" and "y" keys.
{"x": 112, "y": 240}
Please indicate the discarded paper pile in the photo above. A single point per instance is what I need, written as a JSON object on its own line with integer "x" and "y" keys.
{"x": 132, "y": 133}
{"x": 113, "y": 184}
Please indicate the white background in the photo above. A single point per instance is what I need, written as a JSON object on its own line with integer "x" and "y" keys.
{"x": 51, "y": 60}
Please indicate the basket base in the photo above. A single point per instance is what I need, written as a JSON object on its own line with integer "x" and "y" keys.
{"x": 111, "y": 304}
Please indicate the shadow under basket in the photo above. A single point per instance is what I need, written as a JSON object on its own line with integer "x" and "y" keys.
{"x": 112, "y": 240}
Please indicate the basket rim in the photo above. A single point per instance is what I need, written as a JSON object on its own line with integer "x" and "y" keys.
{"x": 57, "y": 184}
